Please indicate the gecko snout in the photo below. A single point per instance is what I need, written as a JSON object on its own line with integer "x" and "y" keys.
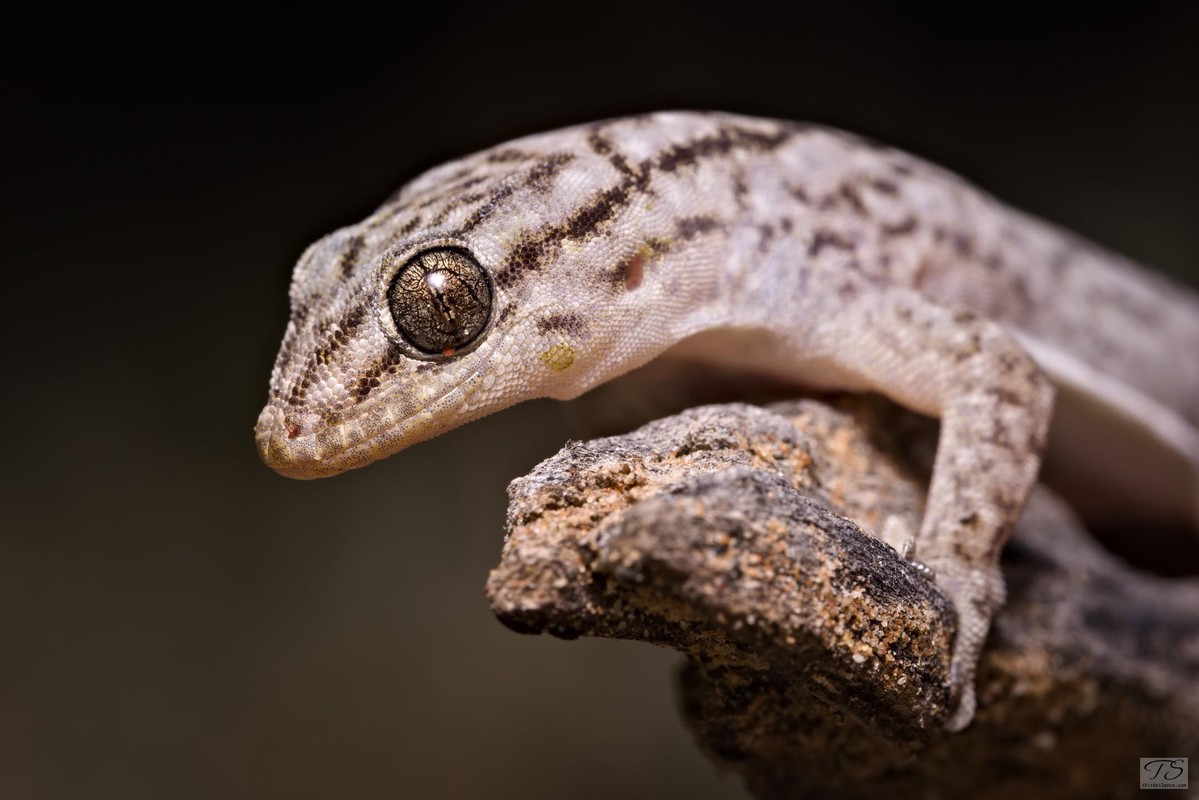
{"x": 298, "y": 447}
{"x": 283, "y": 445}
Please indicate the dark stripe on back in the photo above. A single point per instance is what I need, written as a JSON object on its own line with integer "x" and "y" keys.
{"x": 603, "y": 147}
{"x": 825, "y": 238}
{"x": 528, "y": 257}
{"x": 728, "y": 138}
{"x": 349, "y": 256}
{"x": 603, "y": 206}
{"x": 537, "y": 178}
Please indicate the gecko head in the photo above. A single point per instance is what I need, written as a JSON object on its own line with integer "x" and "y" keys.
{"x": 424, "y": 343}
{"x": 375, "y": 359}
{"x": 479, "y": 286}
{"x": 420, "y": 343}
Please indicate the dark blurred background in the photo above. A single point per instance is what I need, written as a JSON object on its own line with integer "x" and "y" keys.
{"x": 180, "y": 622}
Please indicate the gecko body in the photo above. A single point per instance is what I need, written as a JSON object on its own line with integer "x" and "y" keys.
{"x": 549, "y": 265}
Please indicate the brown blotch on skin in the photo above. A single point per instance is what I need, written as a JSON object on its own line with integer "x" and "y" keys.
{"x": 640, "y": 176}
{"x": 353, "y": 318}
{"x": 409, "y": 226}
{"x": 323, "y": 355}
{"x": 521, "y": 259}
{"x": 449, "y": 189}
{"x": 349, "y": 256}
{"x": 527, "y": 256}
{"x": 539, "y": 178}
{"x": 337, "y": 339}
{"x": 1005, "y": 396}
{"x": 598, "y": 144}
{"x": 474, "y": 180}
{"x": 969, "y": 349}
{"x": 565, "y": 323}
{"x": 366, "y": 384}
{"x": 299, "y": 313}
{"x": 922, "y": 273}
{"x": 370, "y": 378}
{"x": 740, "y": 189}
{"x": 765, "y": 236}
{"x": 903, "y": 228}
{"x": 851, "y": 196}
{"x": 392, "y": 358}
{"x": 825, "y": 238}
{"x": 963, "y": 246}
{"x": 487, "y": 209}
{"x": 509, "y": 156}
{"x": 460, "y": 173}
{"x": 884, "y": 186}
{"x": 690, "y": 227}
{"x": 602, "y": 147}
{"x": 293, "y": 430}
{"x": 454, "y": 205}
{"x": 589, "y": 218}
{"x": 508, "y": 311}
{"x": 726, "y": 139}
{"x": 1020, "y": 287}
{"x": 799, "y": 194}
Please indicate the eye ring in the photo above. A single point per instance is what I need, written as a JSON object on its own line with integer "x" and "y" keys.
{"x": 440, "y": 300}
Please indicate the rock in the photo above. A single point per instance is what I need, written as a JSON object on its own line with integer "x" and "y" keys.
{"x": 817, "y": 657}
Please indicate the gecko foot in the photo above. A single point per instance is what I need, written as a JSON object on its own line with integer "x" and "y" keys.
{"x": 967, "y": 701}
{"x": 976, "y": 594}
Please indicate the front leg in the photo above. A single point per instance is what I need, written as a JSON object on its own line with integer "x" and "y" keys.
{"x": 994, "y": 403}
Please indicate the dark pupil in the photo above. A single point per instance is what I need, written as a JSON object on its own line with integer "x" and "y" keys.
{"x": 440, "y": 300}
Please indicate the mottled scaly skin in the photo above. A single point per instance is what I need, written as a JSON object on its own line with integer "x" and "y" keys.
{"x": 801, "y": 251}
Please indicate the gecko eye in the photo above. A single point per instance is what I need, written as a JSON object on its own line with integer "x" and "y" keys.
{"x": 440, "y": 300}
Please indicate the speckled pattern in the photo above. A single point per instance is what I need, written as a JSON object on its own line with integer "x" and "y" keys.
{"x": 802, "y": 252}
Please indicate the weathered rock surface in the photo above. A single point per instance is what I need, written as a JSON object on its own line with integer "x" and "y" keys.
{"x": 817, "y": 657}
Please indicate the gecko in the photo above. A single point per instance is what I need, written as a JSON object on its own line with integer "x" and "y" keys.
{"x": 548, "y": 265}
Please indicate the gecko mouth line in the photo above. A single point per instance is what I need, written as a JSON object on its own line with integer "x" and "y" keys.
{"x": 349, "y": 444}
